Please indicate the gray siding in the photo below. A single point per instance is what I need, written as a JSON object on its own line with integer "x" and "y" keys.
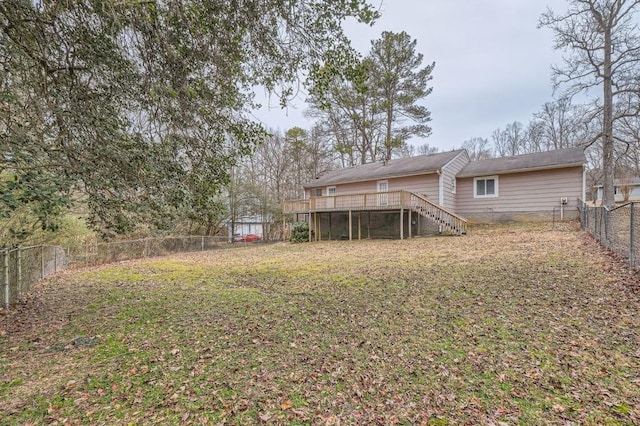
{"x": 522, "y": 193}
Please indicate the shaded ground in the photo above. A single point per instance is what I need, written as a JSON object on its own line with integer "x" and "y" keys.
{"x": 507, "y": 325}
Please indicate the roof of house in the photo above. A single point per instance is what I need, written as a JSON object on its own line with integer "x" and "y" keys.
{"x": 528, "y": 162}
{"x": 422, "y": 164}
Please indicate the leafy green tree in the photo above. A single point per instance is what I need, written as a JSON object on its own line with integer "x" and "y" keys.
{"x": 132, "y": 106}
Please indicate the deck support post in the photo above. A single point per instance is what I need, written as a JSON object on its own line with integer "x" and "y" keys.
{"x": 359, "y": 225}
{"x": 410, "y": 220}
{"x": 401, "y": 223}
{"x": 318, "y": 218}
{"x": 350, "y": 226}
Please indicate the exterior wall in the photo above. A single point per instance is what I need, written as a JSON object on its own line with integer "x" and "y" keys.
{"x": 634, "y": 194}
{"x": 449, "y": 182}
{"x": 523, "y": 196}
{"x": 424, "y": 185}
{"x": 421, "y": 184}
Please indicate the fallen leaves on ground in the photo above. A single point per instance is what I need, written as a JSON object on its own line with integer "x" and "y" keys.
{"x": 510, "y": 324}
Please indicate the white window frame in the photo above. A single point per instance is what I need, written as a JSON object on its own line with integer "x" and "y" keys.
{"x": 383, "y": 199}
{"x": 331, "y": 197}
{"x": 485, "y": 178}
{"x": 453, "y": 185}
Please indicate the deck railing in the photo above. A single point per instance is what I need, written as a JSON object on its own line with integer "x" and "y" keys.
{"x": 390, "y": 200}
{"x": 448, "y": 220}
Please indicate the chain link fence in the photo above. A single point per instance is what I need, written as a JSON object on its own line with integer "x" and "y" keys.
{"x": 617, "y": 229}
{"x": 23, "y": 266}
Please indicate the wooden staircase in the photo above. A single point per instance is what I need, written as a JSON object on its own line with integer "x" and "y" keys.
{"x": 446, "y": 220}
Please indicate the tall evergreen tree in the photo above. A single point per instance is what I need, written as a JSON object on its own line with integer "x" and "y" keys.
{"x": 399, "y": 84}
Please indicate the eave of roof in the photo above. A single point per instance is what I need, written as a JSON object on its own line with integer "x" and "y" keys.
{"x": 522, "y": 170}
{"x": 570, "y": 157}
{"x": 402, "y": 167}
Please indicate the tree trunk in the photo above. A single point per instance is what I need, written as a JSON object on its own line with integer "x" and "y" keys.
{"x": 608, "y": 163}
{"x": 388, "y": 136}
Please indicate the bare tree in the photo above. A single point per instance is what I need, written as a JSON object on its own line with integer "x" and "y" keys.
{"x": 562, "y": 124}
{"x": 411, "y": 151}
{"x": 510, "y": 141}
{"x": 478, "y": 148}
{"x": 601, "y": 42}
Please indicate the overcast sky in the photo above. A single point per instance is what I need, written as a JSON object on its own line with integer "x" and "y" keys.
{"x": 493, "y": 65}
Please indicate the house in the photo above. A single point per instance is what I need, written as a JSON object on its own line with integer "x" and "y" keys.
{"x": 630, "y": 186}
{"x": 255, "y": 224}
{"x": 440, "y": 192}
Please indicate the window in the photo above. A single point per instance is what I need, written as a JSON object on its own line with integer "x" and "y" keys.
{"x": 485, "y": 187}
{"x": 383, "y": 186}
{"x": 453, "y": 185}
{"x": 331, "y": 192}
{"x": 316, "y": 192}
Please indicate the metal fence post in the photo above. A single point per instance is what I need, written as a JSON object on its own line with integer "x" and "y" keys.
{"x": 5, "y": 264}
{"x": 202, "y": 243}
{"x": 632, "y": 237}
{"x": 41, "y": 262}
{"x": 19, "y": 267}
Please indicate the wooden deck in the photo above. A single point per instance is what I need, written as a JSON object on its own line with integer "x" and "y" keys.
{"x": 392, "y": 200}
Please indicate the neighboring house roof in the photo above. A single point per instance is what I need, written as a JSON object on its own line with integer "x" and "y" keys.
{"x": 527, "y": 162}
{"x": 630, "y": 181}
{"x": 422, "y": 164}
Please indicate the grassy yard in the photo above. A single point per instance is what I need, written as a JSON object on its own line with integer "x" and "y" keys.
{"x": 507, "y": 325}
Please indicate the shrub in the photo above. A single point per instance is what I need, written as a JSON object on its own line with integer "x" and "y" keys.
{"x": 300, "y": 233}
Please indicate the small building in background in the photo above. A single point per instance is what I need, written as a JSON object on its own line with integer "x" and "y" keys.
{"x": 627, "y": 189}
{"x": 256, "y": 224}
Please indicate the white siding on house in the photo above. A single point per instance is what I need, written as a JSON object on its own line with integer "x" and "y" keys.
{"x": 526, "y": 192}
